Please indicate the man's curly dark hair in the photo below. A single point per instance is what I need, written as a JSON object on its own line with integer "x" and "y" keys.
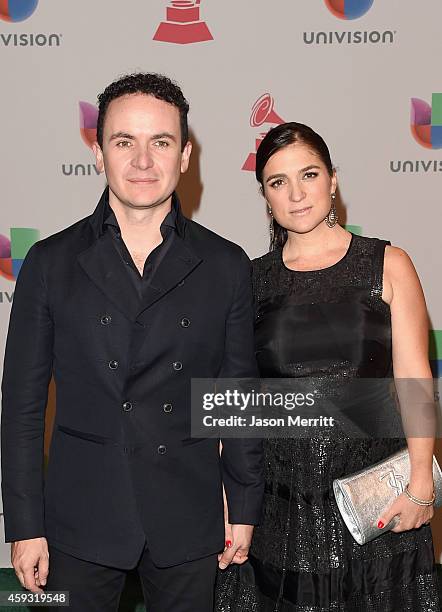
{"x": 151, "y": 84}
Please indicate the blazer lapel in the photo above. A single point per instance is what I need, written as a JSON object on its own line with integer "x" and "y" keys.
{"x": 103, "y": 265}
{"x": 179, "y": 261}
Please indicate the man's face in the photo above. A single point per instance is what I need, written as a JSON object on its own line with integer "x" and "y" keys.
{"x": 141, "y": 153}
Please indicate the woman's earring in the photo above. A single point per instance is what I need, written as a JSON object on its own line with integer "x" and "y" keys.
{"x": 332, "y": 218}
{"x": 271, "y": 228}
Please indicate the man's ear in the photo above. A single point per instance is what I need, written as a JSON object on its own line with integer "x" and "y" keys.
{"x": 99, "y": 161}
{"x": 185, "y": 156}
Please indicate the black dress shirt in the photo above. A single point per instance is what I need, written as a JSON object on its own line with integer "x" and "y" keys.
{"x": 112, "y": 231}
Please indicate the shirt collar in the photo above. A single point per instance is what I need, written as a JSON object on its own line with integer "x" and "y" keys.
{"x": 170, "y": 220}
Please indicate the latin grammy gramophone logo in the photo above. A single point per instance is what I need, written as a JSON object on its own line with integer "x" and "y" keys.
{"x": 262, "y": 113}
{"x": 183, "y": 24}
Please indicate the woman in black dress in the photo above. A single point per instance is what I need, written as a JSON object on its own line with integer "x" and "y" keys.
{"x": 337, "y": 307}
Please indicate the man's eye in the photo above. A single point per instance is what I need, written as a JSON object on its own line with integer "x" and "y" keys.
{"x": 161, "y": 144}
{"x": 123, "y": 144}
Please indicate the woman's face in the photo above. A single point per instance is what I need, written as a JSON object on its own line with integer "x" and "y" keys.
{"x": 298, "y": 188}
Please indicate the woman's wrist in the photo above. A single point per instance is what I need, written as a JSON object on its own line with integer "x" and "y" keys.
{"x": 426, "y": 501}
{"x": 422, "y": 488}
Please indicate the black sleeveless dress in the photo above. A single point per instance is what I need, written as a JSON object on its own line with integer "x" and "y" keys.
{"x": 330, "y": 324}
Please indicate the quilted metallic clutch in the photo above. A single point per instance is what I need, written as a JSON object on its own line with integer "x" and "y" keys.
{"x": 363, "y": 496}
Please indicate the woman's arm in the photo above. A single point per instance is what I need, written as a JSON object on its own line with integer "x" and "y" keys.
{"x": 414, "y": 384}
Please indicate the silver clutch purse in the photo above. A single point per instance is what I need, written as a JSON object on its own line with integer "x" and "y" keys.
{"x": 363, "y": 496}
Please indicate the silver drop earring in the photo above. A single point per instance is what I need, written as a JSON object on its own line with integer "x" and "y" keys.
{"x": 332, "y": 218}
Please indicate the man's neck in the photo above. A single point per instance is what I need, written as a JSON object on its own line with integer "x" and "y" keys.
{"x": 140, "y": 223}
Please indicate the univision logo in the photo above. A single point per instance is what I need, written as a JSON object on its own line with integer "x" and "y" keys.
{"x": 14, "y": 11}
{"x": 88, "y": 133}
{"x": 426, "y": 129}
{"x": 30, "y": 40}
{"x": 17, "y": 10}
{"x": 354, "y": 229}
{"x": 436, "y": 352}
{"x": 357, "y": 37}
{"x": 14, "y": 249}
{"x": 426, "y": 121}
{"x": 349, "y": 10}
{"x": 88, "y": 123}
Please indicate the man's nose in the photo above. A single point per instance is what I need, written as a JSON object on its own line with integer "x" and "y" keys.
{"x": 143, "y": 159}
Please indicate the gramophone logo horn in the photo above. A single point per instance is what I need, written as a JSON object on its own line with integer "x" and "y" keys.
{"x": 183, "y": 24}
{"x": 262, "y": 112}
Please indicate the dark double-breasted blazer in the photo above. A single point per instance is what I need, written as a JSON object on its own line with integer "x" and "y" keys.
{"x": 123, "y": 467}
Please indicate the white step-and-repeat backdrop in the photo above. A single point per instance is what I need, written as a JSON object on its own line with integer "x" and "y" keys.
{"x": 363, "y": 73}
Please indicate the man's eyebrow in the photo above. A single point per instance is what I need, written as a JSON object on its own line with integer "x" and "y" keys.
{"x": 121, "y": 135}
{"x": 127, "y": 136}
{"x": 163, "y": 135}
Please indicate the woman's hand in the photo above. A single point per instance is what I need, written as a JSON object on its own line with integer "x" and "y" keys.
{"x": 237, "y": 540}
{"x": 410, "y": 515}
{"x": 238, "y": 551}
{"x": 228, "y": 537}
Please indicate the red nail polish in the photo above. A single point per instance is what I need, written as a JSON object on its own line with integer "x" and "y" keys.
{"x": 381, "y": 525}
{"x": 228, "y": 543}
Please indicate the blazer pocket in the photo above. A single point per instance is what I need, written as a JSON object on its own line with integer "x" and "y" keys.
{"x": 84, "y": 435}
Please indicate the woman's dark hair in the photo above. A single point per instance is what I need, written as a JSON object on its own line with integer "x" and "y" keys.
{"x": 151, "y": 84}
{"x": 278, "y": 138}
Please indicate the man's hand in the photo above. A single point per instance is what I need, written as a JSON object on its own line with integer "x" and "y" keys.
{"x": 30, "y": 559}
{"x": 241, "y": 537}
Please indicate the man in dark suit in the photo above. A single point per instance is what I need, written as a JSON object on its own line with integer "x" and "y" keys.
{"x": 123, "y": 308}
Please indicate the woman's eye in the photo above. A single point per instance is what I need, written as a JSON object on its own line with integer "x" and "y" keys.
{"x": 276, "y": 184}
{"x": 310, "y": 175}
